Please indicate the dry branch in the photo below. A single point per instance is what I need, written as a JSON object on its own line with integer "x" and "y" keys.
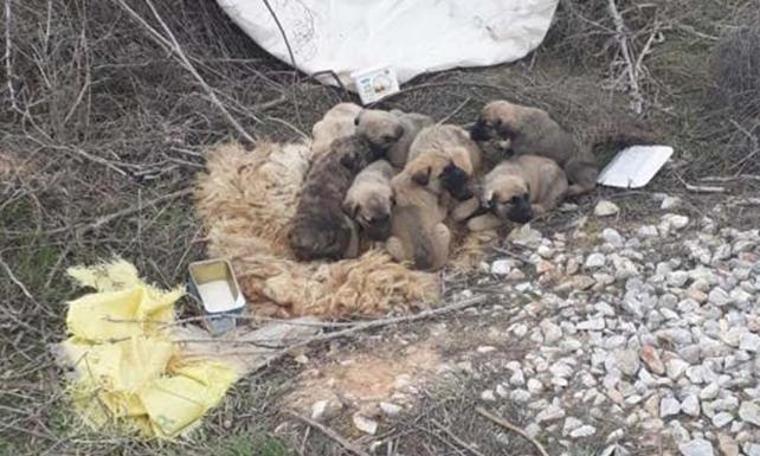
{"x": 625, "y": 49}
{"x": 332, "y": 434}
{"x": 504, "y": 423}
{"x": 174, "y": 46}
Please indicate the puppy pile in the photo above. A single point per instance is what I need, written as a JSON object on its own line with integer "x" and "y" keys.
{"x": 399, "y": 179}
{"x": 355, "y": 221}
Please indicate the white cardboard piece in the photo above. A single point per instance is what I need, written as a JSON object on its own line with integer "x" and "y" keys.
{"x": 634, "y": 166}
{"x": 410, "y": 36}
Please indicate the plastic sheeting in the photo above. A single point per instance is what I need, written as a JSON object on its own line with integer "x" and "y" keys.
{"x": 410, "y": 36}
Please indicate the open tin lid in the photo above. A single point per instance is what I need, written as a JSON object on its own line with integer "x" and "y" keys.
{"x": 215, "y": 284}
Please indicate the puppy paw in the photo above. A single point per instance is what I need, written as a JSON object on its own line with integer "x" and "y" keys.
{"x": 484, "y": 222}
{"x": 395, "y": 248}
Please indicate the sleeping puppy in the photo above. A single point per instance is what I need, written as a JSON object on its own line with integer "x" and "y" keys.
{"x": 518, "y": 190}
{"x": 320, "y": 229}
{"x": 369, "y": 200}
{"x": 338, "y": 122}
{"x": 444, "y": 158}
{"x": 531, "y": 131}
{"x": 419, "y": 236}
{"x": 391, "y": 132}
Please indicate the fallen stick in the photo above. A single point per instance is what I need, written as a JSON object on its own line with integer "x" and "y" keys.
{"x": 504, "y": 423}
{"x": 730, "y": 178}
{"x": 13, "y": 278}
{"x": 389, "y": 321}
{"x": 358, "y": 327}
{"x": 330, "y": 433}
{"x": 455, "y": 438}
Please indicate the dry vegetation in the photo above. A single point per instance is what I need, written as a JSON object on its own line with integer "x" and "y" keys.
{"x": 103, "y": 129}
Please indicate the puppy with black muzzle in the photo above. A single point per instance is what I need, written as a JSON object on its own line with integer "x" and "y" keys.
{"x": 518, "y": 190}
{"x": 444, "y": 158}
{"x": 530, "y": 130}
{"x": 338, "y": 122}
{"x": 320, "y": 228}
{"x": 370, "y": 199}
{"x": 391, "y": 132}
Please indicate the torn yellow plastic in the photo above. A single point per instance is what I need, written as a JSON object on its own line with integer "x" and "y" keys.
{"x": 128, "y": 372}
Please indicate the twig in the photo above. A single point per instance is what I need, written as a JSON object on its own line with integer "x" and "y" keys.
{"x": 389, "y": 321}
{"x": 752, "y": 139}
{"x": 646, "y": 49}
{"x": 504, "y": 423}
{"x": 454, "y": 437}
{"x": 330, "y": 433}
{"x": 455, "y": 111}
{"x": 13, "y": 278}
{"x": 700, "y": 188}
{"x": 730, "y": 178}
{"x": 8, "y": 56}
{"x": 292, "y": 57}
{"x": 174, "y": 46}
{"x": 105, "y": 219}
{"x": 622, "y": 39}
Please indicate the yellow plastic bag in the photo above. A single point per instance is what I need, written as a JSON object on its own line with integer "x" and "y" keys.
{"x": 128, "y": 371}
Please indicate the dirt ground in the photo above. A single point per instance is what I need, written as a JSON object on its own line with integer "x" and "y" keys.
{"x": 103, "y": 131}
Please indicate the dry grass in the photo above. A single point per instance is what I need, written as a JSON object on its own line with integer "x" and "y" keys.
{"x": 99, "y": 118}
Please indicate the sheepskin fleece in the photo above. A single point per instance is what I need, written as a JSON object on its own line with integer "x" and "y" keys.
{"x": 246, "y": 199}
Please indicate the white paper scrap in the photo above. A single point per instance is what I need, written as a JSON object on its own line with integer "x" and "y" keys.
{"x": 634, "y": 166}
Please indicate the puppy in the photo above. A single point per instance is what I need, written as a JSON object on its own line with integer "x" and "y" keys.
{"x": 369, "y": 200}
{"x": 320, "y": 229}
{"x": 518, "y": 190}
{"x": 338, "y": 122}
{"x": 418, "y": 233}
{"x": 391, "y": 132}
{"x": 531, "y": 131}
{"x": 444, "y": 158}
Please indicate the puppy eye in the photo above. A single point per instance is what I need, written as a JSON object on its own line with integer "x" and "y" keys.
{"x": 515, "y": 199}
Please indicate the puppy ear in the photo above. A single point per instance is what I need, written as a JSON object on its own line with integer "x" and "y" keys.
{"x": 422, "y": 177}
{"x": 399, "y": 131}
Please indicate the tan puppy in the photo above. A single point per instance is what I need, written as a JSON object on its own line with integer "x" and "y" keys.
{"x": 338, "y": 122}
{"x": 444, "y": 158}
{"x": 518, "y": 190}
{"x": 320, "y": 229}
{"x": 531, "y": 131}
{"x": 370, "y": 199}
{"x": 392, "y": 132}
{"x": 418, "y": 233}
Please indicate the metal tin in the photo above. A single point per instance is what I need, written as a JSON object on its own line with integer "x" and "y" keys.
{"x": 213, "y": 282}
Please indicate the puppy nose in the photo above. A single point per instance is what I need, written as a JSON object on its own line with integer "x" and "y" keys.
{"x": 383, "y": 218}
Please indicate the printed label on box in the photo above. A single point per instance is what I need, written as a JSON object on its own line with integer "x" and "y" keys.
{"x": 373, "y": 85}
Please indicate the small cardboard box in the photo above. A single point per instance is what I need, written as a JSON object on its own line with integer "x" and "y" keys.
{"x": 375, "y": 84}
{"x": 213, "y": 282}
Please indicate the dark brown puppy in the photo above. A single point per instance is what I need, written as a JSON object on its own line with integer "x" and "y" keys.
{"x": 321, "y": 230}
{"x": 531, "y": 131}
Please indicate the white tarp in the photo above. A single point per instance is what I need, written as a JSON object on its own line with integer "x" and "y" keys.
{"x": 409, "y": 36}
